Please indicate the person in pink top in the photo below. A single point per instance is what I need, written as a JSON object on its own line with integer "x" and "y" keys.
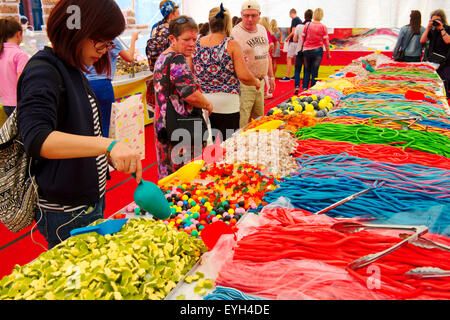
{"x": 315, "y": 37}
{"x": 12, "y": 62}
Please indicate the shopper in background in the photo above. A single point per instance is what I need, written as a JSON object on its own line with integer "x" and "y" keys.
{"x": 204, "y": 30}
{"x": 315, "y": 37}
{"x": 438, "y": 35}
{"x": 219, "y": 66}
{"x": 265, "y": 22}
{"x": 277, "y": 49}
{"x": 12, "y": 62}
{"x": 409, "y": 38}
{"x": 175, "y": 84}
{"x": 252, "y": 38}
{"x": 61, "y": 128}
{"x": 102, "y": 83}
{"x": 291, "y": 44}
{"x": 299, "y": 50}
{"x": 158, "y": 42}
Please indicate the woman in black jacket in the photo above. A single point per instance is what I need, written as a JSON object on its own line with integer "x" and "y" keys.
{"x": 438, "y": 33}
{"x": 59, "y": 118}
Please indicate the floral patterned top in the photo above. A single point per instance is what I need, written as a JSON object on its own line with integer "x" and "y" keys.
{"x": 157, "y": 44}
{"x": 173, "y": 80}
{"x": 214, "y": 68}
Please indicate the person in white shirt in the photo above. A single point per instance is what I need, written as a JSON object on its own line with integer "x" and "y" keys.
{"x": 252, "y": 37}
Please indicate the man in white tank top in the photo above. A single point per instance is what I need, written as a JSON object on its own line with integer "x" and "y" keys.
{"x": 252, "y": 37}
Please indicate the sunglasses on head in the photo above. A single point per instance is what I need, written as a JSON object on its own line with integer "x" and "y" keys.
{"x": 102, "y": 45}
{"x": 182, "y": 20}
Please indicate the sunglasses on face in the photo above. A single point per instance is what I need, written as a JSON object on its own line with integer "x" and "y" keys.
{"x": 102, "y": 45}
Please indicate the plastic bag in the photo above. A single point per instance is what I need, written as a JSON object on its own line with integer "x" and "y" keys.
{"x": 293, "y": 254}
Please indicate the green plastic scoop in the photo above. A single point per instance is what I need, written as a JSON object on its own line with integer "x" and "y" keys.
{"x": 148, "y": 196}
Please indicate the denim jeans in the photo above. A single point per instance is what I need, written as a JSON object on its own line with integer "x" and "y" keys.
{"x": 8, "y": 110}
{"x": 104, "y": 92}
{"x": 311, "y": 62}
{"x": 444, "y": 73}
{"x": 51, "y": 224}
{"x": 298, "y": 68}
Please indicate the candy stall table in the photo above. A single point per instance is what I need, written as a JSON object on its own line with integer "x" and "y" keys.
{"x": 375, "y": 162}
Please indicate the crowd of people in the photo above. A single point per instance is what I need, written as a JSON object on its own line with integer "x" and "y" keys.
{"x": 223, "y": 70}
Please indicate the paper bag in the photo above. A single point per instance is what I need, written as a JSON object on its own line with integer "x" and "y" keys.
{"x": 127, "y": 123}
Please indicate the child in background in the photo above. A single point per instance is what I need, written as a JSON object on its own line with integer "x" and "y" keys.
{"x": 12, "y": 62}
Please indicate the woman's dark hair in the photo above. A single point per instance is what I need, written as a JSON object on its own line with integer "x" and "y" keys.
{"x": 415, "y": 21}
{"x": 234, "y": 20}
{"x": 308, "y": 15}
{"x": 441, "y": 14}
{"x": 99, "y": 20}
{"x": 179, "y": 25}
{"x": 8, "y": 29}
{"x": 204, "y": 30}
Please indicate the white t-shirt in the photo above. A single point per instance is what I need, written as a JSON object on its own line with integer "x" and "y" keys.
{"x": 255, "y": 46}
{"x": 299, "y": 32}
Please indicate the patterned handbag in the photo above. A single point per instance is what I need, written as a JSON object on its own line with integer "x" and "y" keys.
{"x": 18, "y": 195}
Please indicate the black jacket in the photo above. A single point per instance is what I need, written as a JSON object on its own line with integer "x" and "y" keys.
{"x": 39, "y": 112}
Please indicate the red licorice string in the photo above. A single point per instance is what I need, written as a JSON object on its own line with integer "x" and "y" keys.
{"x": 372, "y": 152}
{"x": 302, "y": 239}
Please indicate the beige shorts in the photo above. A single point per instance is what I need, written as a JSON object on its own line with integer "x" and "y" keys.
{"x": 251, "y": 103}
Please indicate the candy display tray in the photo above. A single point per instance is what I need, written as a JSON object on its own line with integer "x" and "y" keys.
{"x": 187, "y": 289}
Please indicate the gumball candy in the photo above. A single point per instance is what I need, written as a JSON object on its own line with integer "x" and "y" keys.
{"x": 309, "y": 108}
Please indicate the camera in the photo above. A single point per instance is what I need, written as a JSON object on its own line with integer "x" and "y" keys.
{"x": 436, "y": 23}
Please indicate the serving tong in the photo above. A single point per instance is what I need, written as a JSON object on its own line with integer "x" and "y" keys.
{"x": 351, "y": 227}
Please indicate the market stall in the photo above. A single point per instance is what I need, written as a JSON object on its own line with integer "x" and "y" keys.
{"x": 129, "y": 79}
{"x": 340, "y": 193}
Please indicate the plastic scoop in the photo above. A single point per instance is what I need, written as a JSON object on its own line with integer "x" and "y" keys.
{"x": 212, "y": 233}
{"x": 416, "y": 95}
{"x": 269, "y": 126}
{"x": 367, "y": 66}
{"x": 185, "y": 174}
{"x": 148, "y": 196}
{"x": 104, "y": 228}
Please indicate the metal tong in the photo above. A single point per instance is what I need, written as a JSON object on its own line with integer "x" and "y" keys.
{"x": 341, "y": 202}
{"x": 426, "y": 243}
{"x": 350, "y": 227}
{"x": 427, "y": 272}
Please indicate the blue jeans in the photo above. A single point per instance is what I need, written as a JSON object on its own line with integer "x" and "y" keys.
{"x": 51, "y": 221}
{"x": 104, "y": 92}
{"x": 311, "y": 62}
{"x": 9, "y": 110}
{"x": 298, "y": 68}
{"x": 444, "y": 73}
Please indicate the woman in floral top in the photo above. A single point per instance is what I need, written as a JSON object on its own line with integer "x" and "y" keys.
{"x": 174, "y": 80}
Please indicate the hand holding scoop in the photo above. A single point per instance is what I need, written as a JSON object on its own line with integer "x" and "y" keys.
{"x": 149, "y": 197}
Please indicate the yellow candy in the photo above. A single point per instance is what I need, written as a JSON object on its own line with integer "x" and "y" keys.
{"x": 298, "y": 108}
{"x": 314, "y": 97}
{"x": 323, "y": 104}
{"x": 184, "y": 197}
{"x": 309, "y": 108}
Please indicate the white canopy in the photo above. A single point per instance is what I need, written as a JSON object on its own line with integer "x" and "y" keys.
{"x": 338, "y": 13}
